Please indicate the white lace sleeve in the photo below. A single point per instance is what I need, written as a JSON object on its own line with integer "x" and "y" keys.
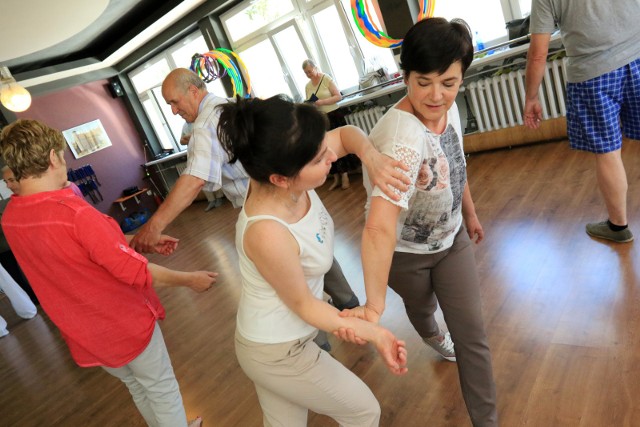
{"x": 412, "y": 159}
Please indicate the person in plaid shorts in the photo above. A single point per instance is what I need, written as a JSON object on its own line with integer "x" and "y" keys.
{"x": 602, "y": 42}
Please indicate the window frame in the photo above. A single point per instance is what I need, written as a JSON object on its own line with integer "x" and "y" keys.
{"x": 301, "y": 18}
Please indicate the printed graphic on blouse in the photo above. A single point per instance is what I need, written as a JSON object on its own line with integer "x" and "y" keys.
{"x": 437, "y": 201}
{"x": 323, "y": 217}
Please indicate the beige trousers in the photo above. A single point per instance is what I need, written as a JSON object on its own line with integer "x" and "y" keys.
{"x": 293, "y": 377}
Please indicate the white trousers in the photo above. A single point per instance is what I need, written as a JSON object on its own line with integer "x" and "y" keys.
{"x": 153, "y": 385}
{"x": 19, "y": 299}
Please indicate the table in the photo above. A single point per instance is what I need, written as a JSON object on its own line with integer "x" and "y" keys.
{"x": 160, "y": 170}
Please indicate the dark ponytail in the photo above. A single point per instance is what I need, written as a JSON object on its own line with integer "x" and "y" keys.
{"x": 234, "y": 129}
{"x": 271, "y": 136}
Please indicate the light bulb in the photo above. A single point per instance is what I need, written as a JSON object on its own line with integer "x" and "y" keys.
{"x": 14, "y": 97}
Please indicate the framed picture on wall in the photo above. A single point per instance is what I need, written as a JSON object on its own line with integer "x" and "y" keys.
{"x": 87, "y": 138}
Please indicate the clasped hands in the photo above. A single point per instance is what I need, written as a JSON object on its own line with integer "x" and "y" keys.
{"x": 392, "y": 350}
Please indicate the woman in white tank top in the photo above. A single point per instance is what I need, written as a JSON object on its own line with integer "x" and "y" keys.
{"x": 284, "y": 238}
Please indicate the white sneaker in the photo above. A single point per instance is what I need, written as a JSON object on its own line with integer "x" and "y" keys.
{"x": 3, "y": 332}
{"x": 443, "y": 345}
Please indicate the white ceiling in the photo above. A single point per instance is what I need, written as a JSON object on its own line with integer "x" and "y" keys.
{"x": 33, "y": 27}
{"x": 29, "y": 26}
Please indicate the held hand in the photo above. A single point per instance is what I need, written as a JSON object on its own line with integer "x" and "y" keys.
{"x": 363, "y": 312}
{"x": 201, "y": 281}
{"x": 474, "y": 229}
{"x": 392, "y": 351}
{"x": 166, "y": 245}
{"x": 387, "y": 174}
{"x": 145, "y": 240}
{"x": 348, "y": 335}
{"x": 532, "y": 113}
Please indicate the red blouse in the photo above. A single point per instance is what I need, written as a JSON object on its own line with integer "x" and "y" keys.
{"x": 94, "y": 287}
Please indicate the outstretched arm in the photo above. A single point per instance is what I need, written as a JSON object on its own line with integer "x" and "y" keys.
{"x": 166, "y": 244}
{"x": 198, "y": 281}
{"x": 181, "y": 196}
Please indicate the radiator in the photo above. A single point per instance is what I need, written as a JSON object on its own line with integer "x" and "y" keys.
{"x": 180, "y": 167}
{"x": 366, "y": 119}
{"x": 498, "y": 102}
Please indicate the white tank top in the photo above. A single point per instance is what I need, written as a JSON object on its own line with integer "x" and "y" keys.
{"x": 262, "y": 316}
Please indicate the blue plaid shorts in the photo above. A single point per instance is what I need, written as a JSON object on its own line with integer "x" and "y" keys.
{"x": 601, "y": 110}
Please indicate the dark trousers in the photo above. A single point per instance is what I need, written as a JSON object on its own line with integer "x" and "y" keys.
{"x": 449, "y": 278}
{"x": 342, "y": 296}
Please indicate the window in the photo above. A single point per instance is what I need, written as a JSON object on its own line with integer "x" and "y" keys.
{"x": 253, "y": 16}
{"x": 151, "y": 75}
{"x": 272, "y": 35}
{"x": 269, "y": 80}
{"x": 485, "y": 18}
{"x": 276, "y": 36}
{"x": 159, "y": 123}
{"x": 525, "y": 7}
{"x": 288, "y": 40}
{"x": 375, "y": 57}
{"x": 336, "y": 48}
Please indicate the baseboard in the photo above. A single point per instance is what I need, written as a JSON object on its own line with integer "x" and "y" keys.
{"x": 549, "y": 130}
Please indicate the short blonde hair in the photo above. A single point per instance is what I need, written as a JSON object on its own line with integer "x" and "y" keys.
{"x": 25, "y": 146}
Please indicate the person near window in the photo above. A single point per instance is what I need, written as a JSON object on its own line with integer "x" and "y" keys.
{"x": 421, "y": 245}
{"x": 96, "y": 289}
{"x": 287, "y": 152}
{"x": 603, "y": 87}
{"x": 322, "y": 91}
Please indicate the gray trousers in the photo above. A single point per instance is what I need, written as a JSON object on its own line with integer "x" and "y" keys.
{"x": 450, "y": 278}
{"x": 342, "y": 296}
{"x": 293, "y": 377}
{"x": 153, "y": 386}
{"x": 336, "y": 285}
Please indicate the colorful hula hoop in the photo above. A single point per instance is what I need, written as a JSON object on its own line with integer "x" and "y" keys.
{"x": 426, "y": 9}
{"x": 221, "y": 62}
{"x": 360, "y": 12}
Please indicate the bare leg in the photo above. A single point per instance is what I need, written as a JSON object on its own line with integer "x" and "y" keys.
{"x": 336, "y": 181}
{"x": 345, "y": 181}
{"x": 612, "y": 180}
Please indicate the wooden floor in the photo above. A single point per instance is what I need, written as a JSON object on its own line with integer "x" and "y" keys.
{"x": 562, "y": 313}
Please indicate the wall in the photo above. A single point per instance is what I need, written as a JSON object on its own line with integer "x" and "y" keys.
{"x": 118, "y": 166}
